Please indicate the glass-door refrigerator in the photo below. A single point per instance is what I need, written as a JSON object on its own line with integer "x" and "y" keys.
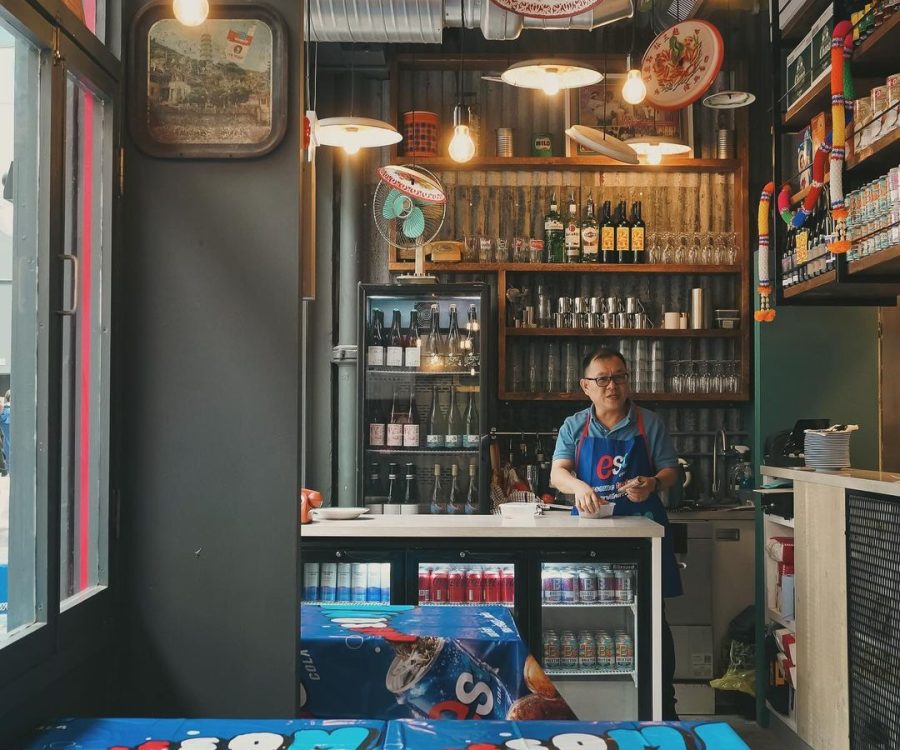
{"x": 365, "y": 577}
{"x": 426, "y": 386}
{"x": 594, "y": 626}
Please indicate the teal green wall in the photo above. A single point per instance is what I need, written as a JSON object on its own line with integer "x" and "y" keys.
{"x": 819, "y": 362}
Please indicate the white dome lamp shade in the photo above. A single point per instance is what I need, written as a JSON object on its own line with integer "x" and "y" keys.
{"x": 551, "y": 76}
{"x": 654, "y": 148}
{"x": 354, "y": 133}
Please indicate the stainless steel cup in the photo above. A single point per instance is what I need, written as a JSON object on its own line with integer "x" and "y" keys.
{"x": 596, "y": 305}
{"x": 631, "y": 305}
{"x": 623, "y": 320}
{"x": 640, "y": 320}
{"x": 613, "y": 304}
{"x": 607, "y": 320}
{"x": 565, "y": 305}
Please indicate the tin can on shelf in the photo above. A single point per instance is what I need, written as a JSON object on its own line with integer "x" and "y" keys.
{"x": 492, "y": 585}
{"x": 439, "y": 585}
{"x": 606, "y": 585}
{"x": 587, "y": 650}
{"x": 420, "y": 133}
{"x": 551, "y": 586}
{"x": 568, "y": 650}
{"x": 456, "y": 586}
{"x": 568, "y": 585}
{"x": 587, "y": 586}
{"x": 358, "y": 581}
{"x": 606, "y": 650}
{"x": 508, "y": 585}
{"x": 624, "y": 652}
{"x": 541, "y": 144}
{"x": 424, "y": 584}
{"x": 474, "y": 585}
{"x": 551, "y": 650}
{"x": 342, "y": 592}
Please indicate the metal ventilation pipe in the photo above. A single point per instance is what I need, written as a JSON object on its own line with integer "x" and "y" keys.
{"x": 423, "y": 21}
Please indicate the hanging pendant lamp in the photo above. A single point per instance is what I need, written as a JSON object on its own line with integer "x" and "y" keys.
{"x": 551, "y": 75}
{"x": 653, "y": 147}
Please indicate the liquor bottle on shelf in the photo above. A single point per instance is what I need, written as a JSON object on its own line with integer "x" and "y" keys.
{"x": 435, "y": 431}
{"x": 374, "y": 488}
{"x": 471, "y": 343}
{"x": 438, "y": 499}
{"x": 623, "y": 235}
{"x": 376, "y": 343}
{"x": 454, "y": 434}
{"x": 411, "y": 431}
{"x": 410, "y": 487}
{"x": 395, "y": 425}
{"x": 472, "y": 433}
{"x": 395, "y": 488}
{"x": 394, "y": 351}
{"x": 472, "y": 491}
{"x": 554, "y": 234}
{"x": 456, "y": 503}
{"x": 608, "y": 252}
{"x": 638, "y": 234}
{"x": 454, "y": 341}
{"x": 413, "y": 343}
{"x": 434, "y": 349}
{"x": 377, "y": 424}
{"x": 590, "y": 234}
{"x": 573, "y": 233}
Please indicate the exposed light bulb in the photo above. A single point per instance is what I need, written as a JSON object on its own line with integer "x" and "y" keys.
{"x": 634, "y": 89}
{"x": 191, "y": 12}
{"x": 462, "y": 147}
{"x": 654, "y": 155}
{"x": 351, "y": 148}
{"x": 552, "y": 83}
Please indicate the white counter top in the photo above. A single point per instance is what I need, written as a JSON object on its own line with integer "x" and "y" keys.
{"x": 552, "y": 525}
{"x": 881, "y": 482}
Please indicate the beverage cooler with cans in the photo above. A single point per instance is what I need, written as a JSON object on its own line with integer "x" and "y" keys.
{"x": 467, "y": 578}
{"x": 352, "y": 576}
{"x": 425, "y": 387}
{"x": 593, "y": 612}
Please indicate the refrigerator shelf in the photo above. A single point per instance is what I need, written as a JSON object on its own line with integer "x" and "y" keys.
{"x": 423, "y": 373}
{"x": 466, "y": 604}
{"x": 591, "y": 673}
{"x": 345, "y": 603}
{"x": 588, "y": 605}
{"x": 424, "y": 451}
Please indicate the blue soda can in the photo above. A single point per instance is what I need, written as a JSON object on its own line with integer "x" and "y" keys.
{"x": 343, "y": 582}
{"x": 310, "y": 582}
{"x": 440, "y": 680}
{"x": 373, "y": 583}
{"x": 357, "y": 582}
{"x": 328, "y": 585}
{"x": 385, "y": 583}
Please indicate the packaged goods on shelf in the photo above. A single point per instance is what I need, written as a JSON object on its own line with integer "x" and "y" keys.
{"x": 781, "y": 549}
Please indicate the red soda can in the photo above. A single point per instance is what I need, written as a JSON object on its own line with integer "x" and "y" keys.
{"x": 508, "y": 585}
{"x": 492, "y": 586}
{"x": 439, "y": 585}
{"x": 456, "y": 586}
{"x": 424, "y": 585}
{"x": 473, "y": 586}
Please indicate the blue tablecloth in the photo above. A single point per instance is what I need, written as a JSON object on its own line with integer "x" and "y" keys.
{"x": 392, "y": 662}
{"x": 228, "y": 734}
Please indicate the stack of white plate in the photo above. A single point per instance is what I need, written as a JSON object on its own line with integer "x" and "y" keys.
{"x": 827, "y": 450}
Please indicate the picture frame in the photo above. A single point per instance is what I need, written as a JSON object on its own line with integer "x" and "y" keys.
{"x": 584, "y": 106}
{"x": 213, "y": 91}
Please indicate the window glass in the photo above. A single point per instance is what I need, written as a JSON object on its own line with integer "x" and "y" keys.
{"x": 20, "y": 117}
{"x": 85, "y": 338}
{"x": 92, "y": 13}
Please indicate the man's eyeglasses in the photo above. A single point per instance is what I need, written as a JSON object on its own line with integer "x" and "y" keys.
{"x": 604, "y": 380}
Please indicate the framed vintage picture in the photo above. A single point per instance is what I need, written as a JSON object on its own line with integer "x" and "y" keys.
{"x": 217, "y": 90}
{"x": 602, "y": 106}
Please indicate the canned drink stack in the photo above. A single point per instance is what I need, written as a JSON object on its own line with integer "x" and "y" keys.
{"x": 606, "y": 650}
{"x": 439, "y": 585}
{"x": 358, "y": 577}
{"x": 587, "y": 650}
{"x": 311, "y": 582}
{"x": 551, "y": 585}
{"x": 587, "y": 586}
{"x": 508, "y": 585}
{"x": 606, "y": 585}
{"x": 474, "y": 586}
{"x": 373, "y": 582}
{"x": 568, "y": 650}
{"x": 424, "y": 584}
{"x": 568, "y": 586}
{"x": 492, "y": 586}
{"x": 342, "y": 592}
{"x": 386, "y": 583}
{"x": 328, "y": 582}
{"x": 624, "y": 652}
{"x": 551, "y": 650}
{"x": 456, "y": 586}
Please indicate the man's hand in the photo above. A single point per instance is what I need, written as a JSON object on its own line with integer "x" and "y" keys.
{"x": 586, "y": 500}
{"x": 638, "y": 489}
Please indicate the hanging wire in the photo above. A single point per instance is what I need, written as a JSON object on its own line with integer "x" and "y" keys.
{"x": 462, "y": 37}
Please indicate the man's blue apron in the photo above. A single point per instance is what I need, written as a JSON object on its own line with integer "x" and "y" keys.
{"x": 605, "y": 465}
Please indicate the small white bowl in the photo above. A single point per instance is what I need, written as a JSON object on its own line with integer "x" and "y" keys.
{"x": 604, "y": 511}
{"x": 519, "y": 510}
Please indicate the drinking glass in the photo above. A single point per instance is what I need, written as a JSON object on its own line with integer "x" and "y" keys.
{"x": 718, "y": 382}
{"x": 704, "y": 381}
{"x": 653, "y": 248}
{"x": 485, "y": 250}
{"x": 677, "y": 383}
{"x": 553, "y": 369}
{"x": 706, "y": 251}
{"x": 693, "y": 256}
{"x": 520, "y": 249}
{"x": 691, "y": 384}
{"x": 535, "y": 254}
{"x": 470, "y": 248}
{"x": 734, "y": 376}
{"x": 732, "y": 251}
{"x": 681, "y": 249}
{"x": 668, "y": 252}
{"x": 501, "y": 251}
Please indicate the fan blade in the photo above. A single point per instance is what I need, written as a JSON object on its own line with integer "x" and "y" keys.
{"x": 414, "y": 224}
{"x": 388, "y": 210}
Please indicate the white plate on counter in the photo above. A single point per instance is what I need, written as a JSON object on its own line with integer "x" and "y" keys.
{"x": 338, "y": 514}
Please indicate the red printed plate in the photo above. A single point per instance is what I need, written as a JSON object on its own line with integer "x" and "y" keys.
{"x": 547, "y": 8}
{"x": 682, "y": 63}
{"x": 414, "y": 183}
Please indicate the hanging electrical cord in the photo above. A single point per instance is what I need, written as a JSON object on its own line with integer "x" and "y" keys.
{"x": 462, "y": 147}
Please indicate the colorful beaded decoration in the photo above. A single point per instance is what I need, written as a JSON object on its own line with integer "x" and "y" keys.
{"x": 765, "y": 313}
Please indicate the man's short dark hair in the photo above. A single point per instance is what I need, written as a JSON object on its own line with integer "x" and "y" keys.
{"x": 604, "y": 352}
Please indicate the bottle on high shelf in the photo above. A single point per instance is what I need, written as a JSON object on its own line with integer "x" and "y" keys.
{"x": 411, "y": 428}
{"x": 471, "y": 344}
{"x": 454, "y": 434}
{"x": 638, "y": 234}
{"x": 435, "y": 431}
{"x": 456, "y": 503}
{"x": 472, "y": 430}
{"x": 623, "y": 235}
{"x": 410, "y": 487}
{"x": 472, "y": 491}
{"x": 608, "y": 253}
{"x": 374, "y": 488}
{"x": 394, "y": 353}
{"x": 395, "y": 425}
{"x": 434, "y": 349}
{"x": 412, "y": 342}
{"x": 375, "y": 345}
{"x": 573, "y": 233}
{"x": 395, "y": 486}
{"x": 454, "y": 341}
{"x": 590, "y": 234}
{"x": 377, "y": 424}
{"x": 438, "y": 499}
{"x": 554, "y": 234}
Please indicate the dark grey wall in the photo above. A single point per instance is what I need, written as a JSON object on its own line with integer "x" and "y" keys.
{"x": 208, "y": 324}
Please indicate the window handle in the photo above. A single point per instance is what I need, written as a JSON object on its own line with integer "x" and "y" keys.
{"x": 74, "y": 309}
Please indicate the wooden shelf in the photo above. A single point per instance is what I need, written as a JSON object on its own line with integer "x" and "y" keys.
{"x": 444, "y": 163}
{"x": 879, "y": 156}
{"x": 798, "y": 197}
{"x": 802, "y": 20}
{"x": 636, "y": 332}
{"x": 883, "y": 263}
{"x": 817, "y": 99}
{"x": 830, "y": 288}
{"x": 879, "y": 52}
{"x": 568, "y": 267}
{"x": 804, "y": 287}
{"x": 579, "y": 396}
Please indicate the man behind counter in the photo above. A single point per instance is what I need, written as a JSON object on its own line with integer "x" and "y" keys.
{"x": 616, "y": 451}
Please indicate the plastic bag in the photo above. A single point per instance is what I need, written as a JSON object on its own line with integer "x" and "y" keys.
{"x": 741, "y": 672}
